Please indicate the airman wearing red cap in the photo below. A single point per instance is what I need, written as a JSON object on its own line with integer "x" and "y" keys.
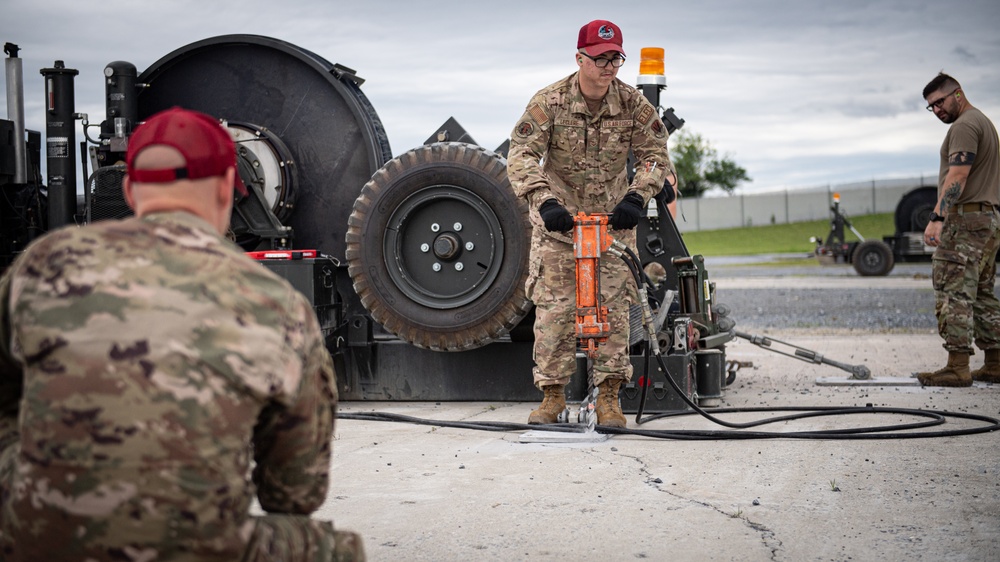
{"x": 569, "y": 153}
{"x": 154, "y": 380}
{"x": 182, "y": 160}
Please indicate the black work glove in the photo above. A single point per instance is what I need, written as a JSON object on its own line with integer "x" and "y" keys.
{"x": 555, "y": 216}
{"x": 626, "y": 214}
{"x": 667, "y": 195}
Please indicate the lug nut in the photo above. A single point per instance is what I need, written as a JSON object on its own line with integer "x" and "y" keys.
{"x": 457, "y": 226}
{"x": 425, "y": 247}
{"x": 459, "y": 266}
{"x": 435, "y": 227}
{"x": 470, "y": 246}
{"x": 436, "y": 266}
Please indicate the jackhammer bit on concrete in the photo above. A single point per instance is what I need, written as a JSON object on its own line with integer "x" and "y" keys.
{"x": 858, "y": 372}
{"x": 586, "y": 414}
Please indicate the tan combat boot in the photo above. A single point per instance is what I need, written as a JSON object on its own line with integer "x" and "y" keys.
{"x": 552, "y": 405}
{"x": 955, "y": 373}
{"x": 990, "y": 371}
{"x": 609, "y": 411}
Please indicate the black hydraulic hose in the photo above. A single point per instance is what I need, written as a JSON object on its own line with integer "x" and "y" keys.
{"x": 634, "y": 265}
{"x": 482, "y": 425}
{"x": 899, "y": 431}
{"x": 884, "y": 432}
{"x": 895, "y": 431}
{"x": 880, "y": 432}
{"x": 638, "y": 270}
{"x": 644, "y": 383}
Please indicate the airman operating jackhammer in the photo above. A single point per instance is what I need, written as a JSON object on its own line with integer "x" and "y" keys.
{"x": 569, "y": 154}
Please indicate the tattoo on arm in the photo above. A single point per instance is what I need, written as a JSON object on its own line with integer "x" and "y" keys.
{"x": 950, "y": 196}
{"x": 961, "y": 158}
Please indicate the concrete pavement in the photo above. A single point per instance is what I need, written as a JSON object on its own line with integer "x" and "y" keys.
{"x": 419, "y": 492}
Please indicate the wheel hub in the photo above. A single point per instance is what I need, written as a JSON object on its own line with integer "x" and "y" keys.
{"x": 447, "y": 246}
{"x": 444, "y": 246}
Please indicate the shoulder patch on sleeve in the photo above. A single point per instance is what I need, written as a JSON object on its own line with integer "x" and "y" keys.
{"x": 645, "y": 113}
{"x": 525, "y": 129}
{"x": 538, "y": 115}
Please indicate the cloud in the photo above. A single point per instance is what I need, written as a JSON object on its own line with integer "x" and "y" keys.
{"x": 782, "y": 87}
{"x": 964, "y": 55}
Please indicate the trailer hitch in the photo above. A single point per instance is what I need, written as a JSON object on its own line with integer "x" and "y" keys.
{"x": 858, "y": 372}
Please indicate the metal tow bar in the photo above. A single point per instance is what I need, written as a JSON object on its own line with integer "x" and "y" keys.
{"x": 858, "y": 372}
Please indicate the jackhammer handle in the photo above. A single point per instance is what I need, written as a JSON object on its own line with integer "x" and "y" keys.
{"x": 588, "y": 218}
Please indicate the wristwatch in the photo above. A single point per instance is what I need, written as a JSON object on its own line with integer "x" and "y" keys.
{"x": 934, "y": 217}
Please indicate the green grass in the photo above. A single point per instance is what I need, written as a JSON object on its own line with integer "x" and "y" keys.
{"x": 781, "y": 238}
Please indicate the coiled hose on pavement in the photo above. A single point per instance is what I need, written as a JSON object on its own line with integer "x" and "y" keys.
{"x": 917, "y": 429}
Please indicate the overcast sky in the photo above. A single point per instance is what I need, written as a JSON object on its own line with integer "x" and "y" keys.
{"x": 800, "y": 93}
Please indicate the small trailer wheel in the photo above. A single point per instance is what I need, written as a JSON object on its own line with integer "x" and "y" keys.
{"x": 873, "y": 258}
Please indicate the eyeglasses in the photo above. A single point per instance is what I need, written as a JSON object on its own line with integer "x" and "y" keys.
{"x": 940, "y": 102}
{"x": 615, "y": 61}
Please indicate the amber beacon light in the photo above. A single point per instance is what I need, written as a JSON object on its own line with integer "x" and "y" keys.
{"x": 651, "y": 67}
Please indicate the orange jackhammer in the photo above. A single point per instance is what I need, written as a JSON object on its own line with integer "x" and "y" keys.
{"x": 590, "y": 241}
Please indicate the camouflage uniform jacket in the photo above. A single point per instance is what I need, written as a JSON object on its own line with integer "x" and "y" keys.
{"x": 149, "y": 361}
{"x": 560, "y": 150}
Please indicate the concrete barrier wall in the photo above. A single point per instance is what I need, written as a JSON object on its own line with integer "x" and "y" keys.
{"x": 779, "y": 207}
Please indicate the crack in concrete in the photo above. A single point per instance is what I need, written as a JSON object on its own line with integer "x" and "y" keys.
{"x": 767, "y": 536}
{"x": 471, "y": 417}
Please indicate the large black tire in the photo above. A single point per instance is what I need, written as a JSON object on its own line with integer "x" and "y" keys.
{"x": 873, "y": 258}
{"x": 914, "y": 209}
{"x": 437, "y": 247}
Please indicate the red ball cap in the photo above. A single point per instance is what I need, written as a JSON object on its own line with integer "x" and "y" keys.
{"x": 206, "y": 146}
{"x": 599, "y": 37}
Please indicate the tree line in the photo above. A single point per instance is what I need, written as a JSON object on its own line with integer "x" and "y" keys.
{"x": 700, "y": 168}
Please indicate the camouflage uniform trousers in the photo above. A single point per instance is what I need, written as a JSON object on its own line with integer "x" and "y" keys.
{"x": 551, "y": 286}
{"x": 964, "y": 273}
{"x": 271, "y": 537}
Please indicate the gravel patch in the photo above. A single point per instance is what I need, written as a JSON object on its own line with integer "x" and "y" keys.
{"x": 877, "y": 310}
{"x": 778, "y": 297}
